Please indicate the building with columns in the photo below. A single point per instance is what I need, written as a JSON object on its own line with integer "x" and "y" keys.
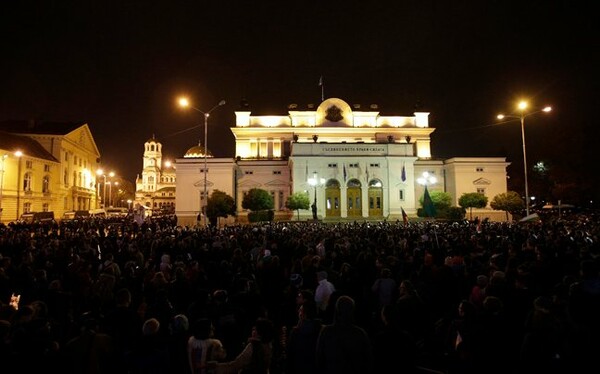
{"x": 355, "y": 163}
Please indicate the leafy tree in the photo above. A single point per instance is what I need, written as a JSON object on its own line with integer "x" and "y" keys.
{"x": 441, "y": 200}
{"x": 509, "y": 201}
{"x": 219, "y": 205}
{"x": 472, "y": 200}
{"x": 257, "y": 199}
{"x": 297, "y": 201}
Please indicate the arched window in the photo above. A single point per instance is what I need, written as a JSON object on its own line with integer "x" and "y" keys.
{"x": 353, "y": 183}
{"x": 375, "y": 183}
{"x": 332, "y": 183}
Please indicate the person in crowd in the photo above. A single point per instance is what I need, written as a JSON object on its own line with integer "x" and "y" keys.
{"x": 302, "y": 342}
{"x": 202, "y": 347}
{"x": 343, "y": 346}
{"x": 257, "y": 355}
{"x": 323, "y": 292}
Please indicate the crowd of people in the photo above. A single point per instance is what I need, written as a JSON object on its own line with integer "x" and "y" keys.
{"x": 94, "y": 296}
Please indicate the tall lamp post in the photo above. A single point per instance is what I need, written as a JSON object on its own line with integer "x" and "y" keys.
{"x": 184, "y": 103}
{"x": 3, "y": 159}
{"x": 521, "y": 117}
{"x": 315, "y": 181}
{"x": 102, "y": 174}
{"x": 19, "y": 155}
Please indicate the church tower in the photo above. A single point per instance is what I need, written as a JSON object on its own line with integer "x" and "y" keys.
{"x": 152, "y": 164}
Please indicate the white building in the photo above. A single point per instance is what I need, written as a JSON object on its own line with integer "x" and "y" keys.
{"x": 365, "y": 165}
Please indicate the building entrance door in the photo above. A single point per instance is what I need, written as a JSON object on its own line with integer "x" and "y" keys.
{"x": 375, "y": 202}
{"x": 354, "y": 202}
{"x": 332, "y": 198}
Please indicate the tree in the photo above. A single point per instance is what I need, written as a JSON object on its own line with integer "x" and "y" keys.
{"x": 441, "y": 201}
{"x": 472, "y": 200}
{"x": 297, "y": 201}
{"x": 219, "y": 205}
{"x": 509, "y": 201}
{"x": 257, "y": 199}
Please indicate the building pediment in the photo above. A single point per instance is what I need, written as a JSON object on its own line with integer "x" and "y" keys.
{"x": 277, "y": 182}
{"x": 200, "y": 183}
{"x": 250, "y": 184}
{"x": 482, "y": 182}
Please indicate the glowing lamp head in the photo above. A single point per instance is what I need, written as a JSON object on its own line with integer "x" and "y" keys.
{"x": 522, "y": 105}
{"x": 184, "y": 102}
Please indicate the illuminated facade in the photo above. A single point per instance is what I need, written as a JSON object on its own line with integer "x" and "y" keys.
{"x": 155, "y": 189}
{"x": 360, "y": 164}
{"x": 56, "y": 170}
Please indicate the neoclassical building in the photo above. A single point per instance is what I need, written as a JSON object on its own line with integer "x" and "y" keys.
{"x": 356, "y": 164}
{"x": 47, "y": 166}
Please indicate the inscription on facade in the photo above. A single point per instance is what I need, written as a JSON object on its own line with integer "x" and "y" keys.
{"x": 354, "y": 149}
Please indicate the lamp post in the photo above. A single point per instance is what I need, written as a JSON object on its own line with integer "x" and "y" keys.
{"x": 521, "y": 117}
{"x": 3, "y": 159}
{"x": 315, "y": 181}
{"x": 184, "y": 103}
{"x": 19, "y": 155}
{"x": 129, "y": 205}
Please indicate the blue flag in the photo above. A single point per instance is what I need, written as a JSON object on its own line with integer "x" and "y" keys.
{"x": 345, "y": 172}
{"x": 403, "y": 175}
{"x": 428, "y": 206}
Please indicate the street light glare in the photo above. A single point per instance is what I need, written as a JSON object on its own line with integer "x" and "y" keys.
{"x": 547, "y": 109}
{"x": 500, "y": 116}
{"x": 18, "y": 153}
{"x": 523, "y": 105}
{"x": 184, "y": 102}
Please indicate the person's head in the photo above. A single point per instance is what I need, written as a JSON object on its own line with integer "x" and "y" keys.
{"x": 264, "y": 330}
{"x": 344, "y": 310}
{"x": 179, "y": 324}
{"x": 321, "y": 275}
{"x": 308, "y": 310}
{"x": 123, "y": 297}
{"x": 202, "y": 329}
{"x": 304, "y": 296}
{"x": 150, "y": 327}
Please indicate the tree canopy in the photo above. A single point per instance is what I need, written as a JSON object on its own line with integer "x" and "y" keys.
{"x": 509, "y": 202}
{"x": 297, "y": 201}
{"x": 472, "y": 200}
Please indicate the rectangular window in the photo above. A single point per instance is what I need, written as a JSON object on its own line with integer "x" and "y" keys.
{"x": 401, "y": 195}
{"x": 281, "y": 201}
{"x": 45, "y": 207}
{"x": 26, "y": 207}
{"x": 202, "y": 170}
{"x": 353, "y": 165}
{"x": 481, "y": 191}
{"x": 277, "y": 172}
{"x": 248, "y": 172}
{"x": 29, "y": 164}
{"x": 479, "y": 169}
{"x": 46, "y": 168}
{"x": 374, "y": 165}
{"x": 332, "y": 165}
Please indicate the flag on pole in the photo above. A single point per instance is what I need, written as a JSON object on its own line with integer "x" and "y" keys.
{"x": 306, "y": 172}
{"x": 428, "y": 206}
{"x": 345, "y": 175}
{"x": 322, "y": 88}
{"x": 367, "y": 171}
{"x": 403, "y": 175}
{"x": 404, "y": 216}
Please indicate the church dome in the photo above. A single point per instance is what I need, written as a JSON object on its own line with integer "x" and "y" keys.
{"x": 197, "y": 151}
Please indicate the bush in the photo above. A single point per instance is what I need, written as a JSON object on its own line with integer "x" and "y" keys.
{"x": 261, "y": 216}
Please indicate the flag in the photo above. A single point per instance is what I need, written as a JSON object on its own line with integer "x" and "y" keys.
{"x": 479, "y": 227}
{"x": 367, "y": 171}
{"x": 345, "y": 172}
{"x": 403, "y": 175}
{"x": 306, "y": 172}
{"x": 428, "y": 206}
{"x": 404, "y": 216}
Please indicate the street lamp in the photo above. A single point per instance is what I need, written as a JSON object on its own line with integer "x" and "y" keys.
{"x": 101, "y": 173}
{"x": 315, "y": 181}
{"x": 129, "y": 201}
{"x": 521, "y": 117}
{"x": 19, "y": 155}
{"x": 3, "y": 159}
{"x": 184, "y": 103}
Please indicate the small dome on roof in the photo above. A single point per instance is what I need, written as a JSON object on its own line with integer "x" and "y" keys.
{"x": 196, "y": 151}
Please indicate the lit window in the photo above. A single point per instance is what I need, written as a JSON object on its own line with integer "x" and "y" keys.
{"x": 46, "y": 184}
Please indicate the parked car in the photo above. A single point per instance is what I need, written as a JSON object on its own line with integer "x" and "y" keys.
{"x": 76, "y": 214}
{"x": 32, "y": 217}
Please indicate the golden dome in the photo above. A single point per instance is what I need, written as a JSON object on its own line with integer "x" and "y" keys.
{"x": 197, "y": 151}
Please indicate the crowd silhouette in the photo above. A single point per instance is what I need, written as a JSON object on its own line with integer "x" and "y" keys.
{"x": 99, "y": 296}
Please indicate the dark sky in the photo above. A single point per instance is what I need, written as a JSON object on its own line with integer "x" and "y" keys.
{"x": 119, "y": 66}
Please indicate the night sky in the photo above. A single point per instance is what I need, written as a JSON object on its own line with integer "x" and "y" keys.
{"x": 120, "y": 65}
